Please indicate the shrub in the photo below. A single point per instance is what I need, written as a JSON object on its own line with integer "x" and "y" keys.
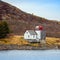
{"x": 4, "y": 29}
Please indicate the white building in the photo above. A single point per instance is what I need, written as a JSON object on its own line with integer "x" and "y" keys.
{"x": 34, "y": 35}
{"x": 30, "y": 34}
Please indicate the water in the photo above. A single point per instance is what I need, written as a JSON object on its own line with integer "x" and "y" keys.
{"x": 30, "y": 55}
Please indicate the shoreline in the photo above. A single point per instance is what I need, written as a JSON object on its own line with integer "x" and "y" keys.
{"x": 18, "y": 43}
{"x": 22, "y": 47}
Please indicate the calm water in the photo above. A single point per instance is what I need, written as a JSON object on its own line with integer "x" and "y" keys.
{"x": 30, "y": 55}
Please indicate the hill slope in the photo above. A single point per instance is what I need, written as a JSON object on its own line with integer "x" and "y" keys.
{"x": 20, "y": 21}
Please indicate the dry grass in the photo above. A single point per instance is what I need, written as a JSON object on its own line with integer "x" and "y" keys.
{"x": 50, "y": 41}
{"x": 14, "y": 40}
{"x": 19, "y": 40}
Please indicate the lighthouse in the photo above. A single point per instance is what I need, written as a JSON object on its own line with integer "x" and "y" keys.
{"x": 36, "y": 35}
{"x": 41, "y": 34}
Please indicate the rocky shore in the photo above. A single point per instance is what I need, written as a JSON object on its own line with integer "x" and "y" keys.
{"x": 19, "y": 47}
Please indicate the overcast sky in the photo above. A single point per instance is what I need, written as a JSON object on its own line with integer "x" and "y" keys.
{"x": 49, "y": 9}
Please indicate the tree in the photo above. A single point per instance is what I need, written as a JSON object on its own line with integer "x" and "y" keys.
{"x": 4, "y": 29}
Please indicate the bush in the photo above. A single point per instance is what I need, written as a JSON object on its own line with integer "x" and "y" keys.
{"x": 4, "y": 29}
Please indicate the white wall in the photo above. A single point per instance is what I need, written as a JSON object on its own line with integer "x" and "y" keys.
{"x": 41, "y": 35}
{"x": 28, "y": 36}
{"x": 38, "y": 34}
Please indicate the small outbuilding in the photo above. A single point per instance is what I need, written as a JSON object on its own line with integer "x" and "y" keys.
{"x": 30, "y": 34}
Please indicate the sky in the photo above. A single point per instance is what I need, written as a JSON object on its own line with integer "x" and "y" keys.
{"x": 49, "y": 9}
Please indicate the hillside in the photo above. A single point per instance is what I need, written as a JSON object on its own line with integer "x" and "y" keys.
{"x": 19, "y": 21}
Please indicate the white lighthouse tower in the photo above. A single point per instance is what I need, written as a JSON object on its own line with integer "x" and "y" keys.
{"x": 41, "y": 34}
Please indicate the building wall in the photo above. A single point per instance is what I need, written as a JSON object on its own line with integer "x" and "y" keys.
{"x": 41, "y": 35}
{"x": 38, "y": 34}
{"x": 28, "y": 36}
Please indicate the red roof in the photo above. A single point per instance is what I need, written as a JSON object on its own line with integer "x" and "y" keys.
{"x": 40, "y": 27}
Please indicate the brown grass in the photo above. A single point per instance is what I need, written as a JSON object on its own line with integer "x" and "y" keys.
{"x": 19, "y": 40}
{"x": 50, "y": 41}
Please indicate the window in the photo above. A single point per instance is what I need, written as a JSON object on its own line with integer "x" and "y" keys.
{"x": 28, "y": 35}
{"x": 33, "y": 36}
